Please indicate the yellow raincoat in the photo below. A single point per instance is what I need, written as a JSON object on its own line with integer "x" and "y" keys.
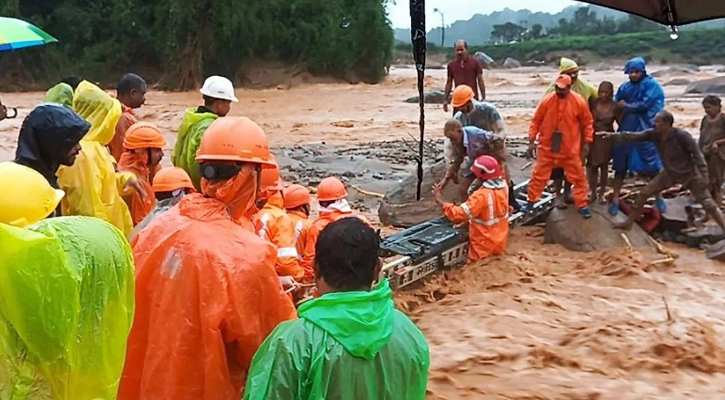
{"x": 581, "y": 86}
{"x": 92, "y": 185}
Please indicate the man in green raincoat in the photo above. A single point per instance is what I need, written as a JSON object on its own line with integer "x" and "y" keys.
{"x": 218, "y": 93}
{"x": 350, "y": 343}
{"x": 62, "y": 93}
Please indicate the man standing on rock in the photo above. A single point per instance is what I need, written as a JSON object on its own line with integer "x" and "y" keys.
{"x": 558, "y": 124}
{"x": 682, "y": 161}
{"x": 464, "y": 70}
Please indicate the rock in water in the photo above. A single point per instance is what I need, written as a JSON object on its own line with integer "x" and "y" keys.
{"x": 712, "y": 86}
{"x": 434, "y": 97}
{"x": 677, "y": 82}
{"x": 511, "y": 63}
{"x": 399, "y": 207}
{"x": 483, "y": 58}
{"x": 569, "y": 229}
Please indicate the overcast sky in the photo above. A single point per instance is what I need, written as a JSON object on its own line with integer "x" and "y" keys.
{"x": 454, "y": 10}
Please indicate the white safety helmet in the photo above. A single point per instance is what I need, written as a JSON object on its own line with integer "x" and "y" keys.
{"x": 218, "y": 87}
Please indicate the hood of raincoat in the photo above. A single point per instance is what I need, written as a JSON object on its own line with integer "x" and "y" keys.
{"x": 97, "y": 107}
{"x": 48, "y": 133}
{"x": 239, "y": 194}
{"x": 567, "y": 64}
{"x": 636, "y": 64}
{"x": 61, "y": 93}
{"x": 361, "y": 321}
{"x": 188, "y": 139}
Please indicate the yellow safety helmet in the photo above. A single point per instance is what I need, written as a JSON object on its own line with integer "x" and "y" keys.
{"x": 27, "y": 196}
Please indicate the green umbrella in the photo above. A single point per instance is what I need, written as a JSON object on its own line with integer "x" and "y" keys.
{"x": 18, "y": 34}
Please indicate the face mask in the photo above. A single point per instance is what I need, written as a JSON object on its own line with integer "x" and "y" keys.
{"x": 238, "y": 193}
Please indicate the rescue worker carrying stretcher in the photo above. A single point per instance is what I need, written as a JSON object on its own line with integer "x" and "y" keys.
{"x": 558, "y": 124}
{"x": 486, "y": 210}
{"x": 297, "y": 203}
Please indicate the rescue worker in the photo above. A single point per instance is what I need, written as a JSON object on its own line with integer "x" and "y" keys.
{"x": 297, "y": 203}
{"x": 67, "y": 296}
{"x": 350, "y": 343}
{"x": 560, "y": 119}
{"x": 712, "y": 144}
{"x": 589, "y": 93}
{"x": 131, "y": 92}
{"x": 332, "y": 197}
{"x": 218, "y": 93}
{"x": 207, "y": 294}
{"x": 91, "y": 184}
{"x": 486, "y": 210}
{"x": 274, "y": 225}
{"x": 49, "y": 138}
{"x": 170, "y": 185}
{"x": 144, "y": 145}
{"x": 62, "y": 93}
{"x": 683, "y": 164}
{"x": 640, "y": 99}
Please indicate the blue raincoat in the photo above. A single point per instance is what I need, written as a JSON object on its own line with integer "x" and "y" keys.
{"x": 644, "y": 100}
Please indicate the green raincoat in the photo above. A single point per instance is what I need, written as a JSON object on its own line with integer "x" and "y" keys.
{"x": 61, "y": 93}
{"x": 581, "y": 86}
{"x": 187, "y": 142}
{"x": 345, "y": 346}
{"x": 66, "y": 308}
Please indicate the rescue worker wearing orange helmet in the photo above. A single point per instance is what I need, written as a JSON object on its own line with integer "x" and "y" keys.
{"x": 564, "y": 128}
{"x": 207, "y": 293}
{"x": 274, "y": 225}
{"x": 170, "y": 185}
{"x": 486, "y": 210}
{"x": 297, "y": 203}
{"x": 332, "y": 197}
{"x": 144, "y": 145}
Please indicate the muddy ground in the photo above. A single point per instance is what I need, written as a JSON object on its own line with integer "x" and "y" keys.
{"x": 538, "y": 323}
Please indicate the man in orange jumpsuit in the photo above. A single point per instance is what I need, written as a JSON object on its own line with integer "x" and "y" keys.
{"x": 207, "y": 294}
{"x": 274, "y": 225}
{"x": 486, "y": 210}
{"x": 559, "y": 122}
{"x": 297, "y": 203}
{"x": 332, "y": 196}
{"x": 144, "y": 145}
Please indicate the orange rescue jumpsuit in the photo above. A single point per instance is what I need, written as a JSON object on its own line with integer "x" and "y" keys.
{"x": 115, "y": 146}
{"x": 487, "y": 211}
{"x": 274, "y": 225}
{"x": 325, "y": 218}
{"x": 571, "y": 117}
{"x": 138, "y": 164}
{"x": 302, "y": 225}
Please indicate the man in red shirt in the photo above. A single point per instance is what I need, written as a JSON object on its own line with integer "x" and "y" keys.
{"x": 464, "y": 70}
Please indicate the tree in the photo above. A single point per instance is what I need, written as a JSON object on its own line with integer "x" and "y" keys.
{"x": 507, "y": 32}
{"x": 536, "y": 30}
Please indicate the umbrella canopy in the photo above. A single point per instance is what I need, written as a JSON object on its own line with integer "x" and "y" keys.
{"x": 668, "y": 12}
{"x": 18, "y": 34}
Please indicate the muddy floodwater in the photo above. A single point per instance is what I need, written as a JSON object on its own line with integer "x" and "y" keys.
{"x": 539, "y": 322}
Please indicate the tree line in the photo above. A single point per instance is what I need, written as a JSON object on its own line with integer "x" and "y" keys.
{"x": 584, "y": 22}
{"x": 182, "y": 41}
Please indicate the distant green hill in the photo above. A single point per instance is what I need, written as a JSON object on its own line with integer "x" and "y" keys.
{"x": 477, "y": 30}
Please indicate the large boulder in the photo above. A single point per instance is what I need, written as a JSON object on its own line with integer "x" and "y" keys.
{"x": 511, "y": 63}
{"x": 432, "y": 97}
{"x": 484, "y": 59}
{"x": 567, "y": 228}
{"x": 678, "y": 82}
{"x": 707, "y": 86}
{"x": 675, "y": 70}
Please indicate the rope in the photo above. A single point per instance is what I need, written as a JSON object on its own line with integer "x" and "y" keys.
{"x": 417, "y": 36}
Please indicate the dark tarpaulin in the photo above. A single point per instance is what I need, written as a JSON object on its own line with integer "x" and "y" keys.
{"x": 668, "y": 12}
{"x": 417, "y": 36}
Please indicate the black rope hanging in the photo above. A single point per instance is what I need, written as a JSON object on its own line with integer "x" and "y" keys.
{"x": 417, "y": 36}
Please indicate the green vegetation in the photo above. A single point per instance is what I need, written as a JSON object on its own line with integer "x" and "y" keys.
{"x": 179, "y": 42}
{"x": 696, "y": 47}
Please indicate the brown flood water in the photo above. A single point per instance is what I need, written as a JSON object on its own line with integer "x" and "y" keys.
{"x": 540, "y": 322}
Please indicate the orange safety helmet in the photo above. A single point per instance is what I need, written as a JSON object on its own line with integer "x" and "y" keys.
{"x": 171, "y": 178}
{"x": 331, "y": 189}
{"x": 270, "y": 180}
{"x": 143, "y": 135}
{"x": 487, "y": 167}
{"x": 237, "y": 139}
{"x": 296, "y": 196}
{"x": 462, "y": 94}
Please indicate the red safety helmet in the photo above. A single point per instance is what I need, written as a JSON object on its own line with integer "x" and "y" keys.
{"x": 487, "y": 167}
